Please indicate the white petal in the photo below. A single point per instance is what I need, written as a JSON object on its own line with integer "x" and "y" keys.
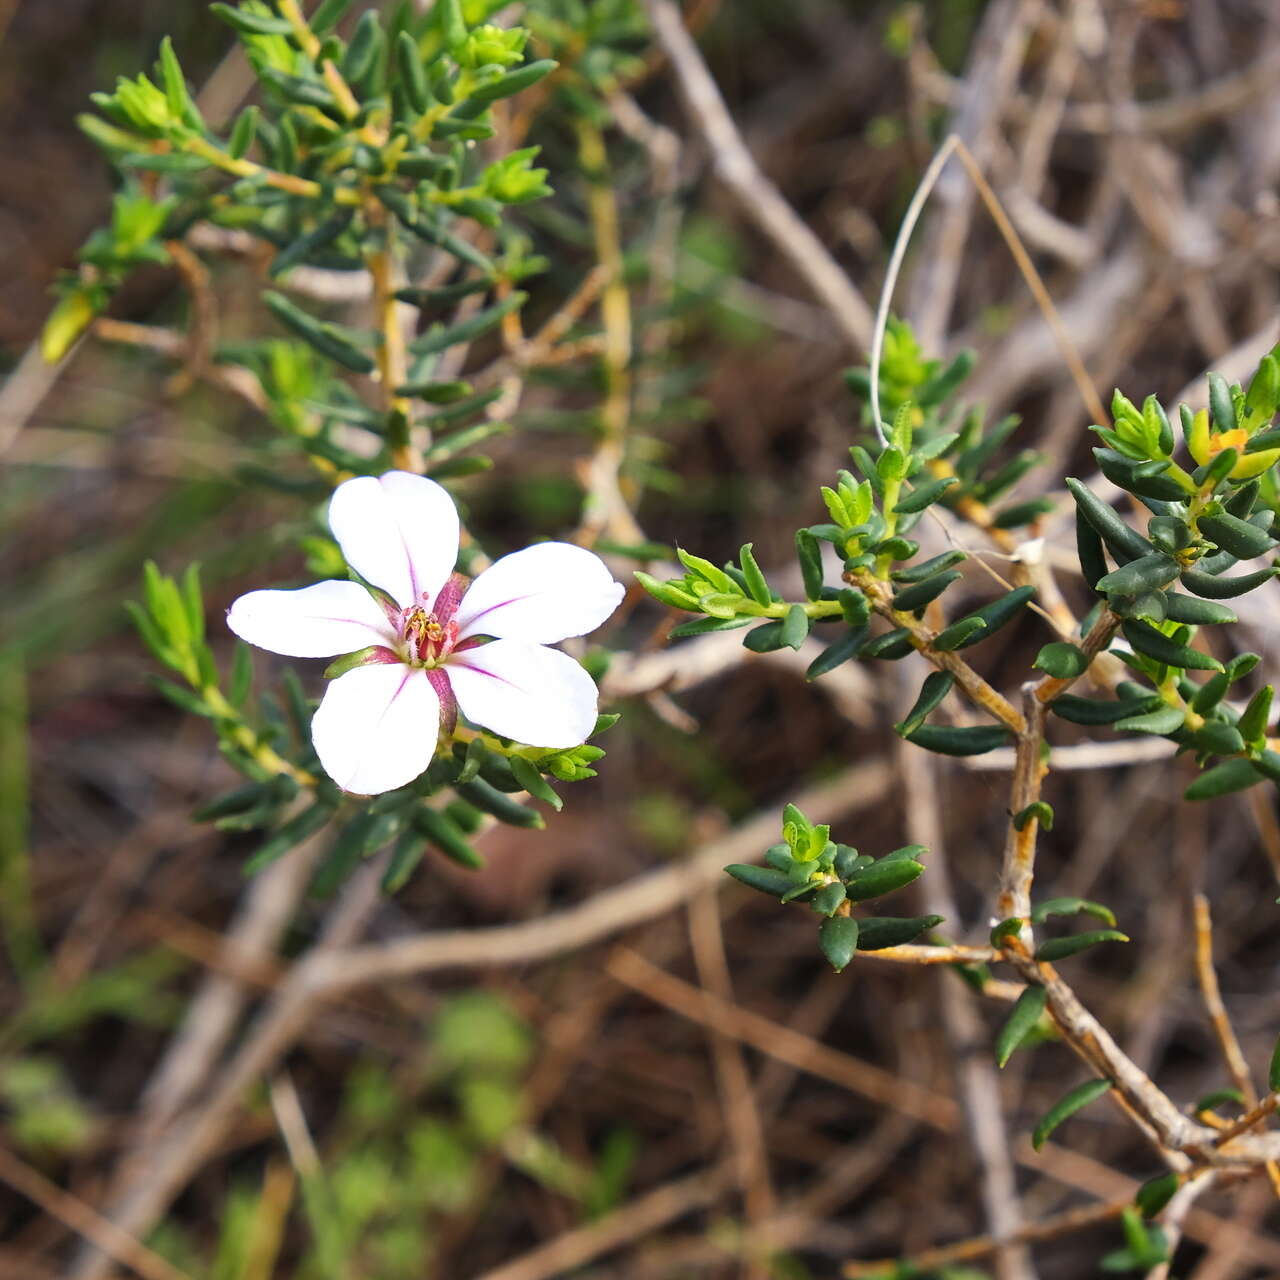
{"x": 398, "y": 531}
{"x": 315, "y": 622}
{"x": 545, "y": 593}
{"x": 535, "y": 695}
{"x": 376, "y": 728}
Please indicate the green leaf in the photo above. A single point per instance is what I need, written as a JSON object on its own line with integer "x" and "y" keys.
{"x": 924, "y": 496}
{"x": 1006, "y": 929}
{"x": 882, "y": 877}
{"x": 1064, "y": 1109}
{"x": 253, "y": 24}
{"x": 757, "y": 587}
{"x": 530, "y": 778}
{"x": 1147, "y": 573}
{"x": 1106, "y": 522}
{"x": 766, "y": 639}
{"x": 927, "y": 568}
{"x": 1061, "y": 948}
{"x": 763, "y": 879}
{"x": 959, "y": 634}
{"x": 951, "y": 740}
{"x": 881, "y": 932}
{"x": 935, "y": 688}
{"x": 1093, "y": 560}
{"x": 1196, "y": 612}
{"x": 1218, "y": 1098}
{"x": 995, "y": 615}
{"x": 1253, "y": 720}
{"x": 289, "y": 836}
{"x": 505, "y": 86}
{"x": 1039, "y": 811}
{"x": 1021, "y": 1021}
{"x": 404, "y": 860}
{"x": 810, "y": 557}
{"x": 327, "y": 15}
{"x": 828, "y": 899}
{"x": 320, "y": 237}
{"x": 1147, "y": 640}
{"x": 1061, "y": 660}
{"x": 890, "y": 645}
{"x": 1273, "y": 1072}
{"x": 1242, "y": 539}
{"x": 1164, "y": 720}
{"x": 438, "y": 338}
{"x": 1071, "y": 907}
{"x": 1221, "y": 408}
{"x": 838, "y": 940}
{"x": 914, "y": 598}
{"x": 1155, "y": 1193}
{"x": 701, "y": 626}
{"x": 488, "y": 799}
{"x": 330, "y": 340}
{"x": 363, "y": 49}
{"x": 445, "y": 834}
{"x": 1223, "y": 779}
{"x": 795, "y": 627}
{"x": 837, "y": 652}
{"x": 1212, "y": 587}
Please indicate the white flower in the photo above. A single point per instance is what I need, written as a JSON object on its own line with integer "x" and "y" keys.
{"x": 433, "y": 643}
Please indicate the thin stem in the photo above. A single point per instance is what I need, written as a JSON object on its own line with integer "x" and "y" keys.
{"x": 922, "y": 636}
{"x": 1029, "y": 769}
{"x": 392, "y": 352}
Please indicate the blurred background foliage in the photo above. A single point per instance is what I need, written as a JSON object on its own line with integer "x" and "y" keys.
{"x": 448, "y": 1126}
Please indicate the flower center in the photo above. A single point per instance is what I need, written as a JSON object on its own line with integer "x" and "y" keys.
{"x": 1237, "y": 438}
{"x": 427, "y": 639}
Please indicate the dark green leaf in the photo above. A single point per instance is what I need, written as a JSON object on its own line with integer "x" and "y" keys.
{"x": 1155, "y": 1193}
{"x": 1223, "y": 779}
{"x": 890, "y": 645}
{"x": 952, "y": 740}
{"x": 881, "y": 932}
{"x": 490, "y": 800}
{"x": 1212, "y": 587}
{"x": 1108, "y": 524}
{"x": 995, "y": 615}
{"x": 447, "y": 836}
{"x": 1021, "y": 1021}
{"x": 1162, "y": 721}
{"x": 1076, "y": 1100}
{"x": 328, "y": 339}
{"x": 795, "y": 627}
{"x": 1242, "y": 539}
{"x": 927, "y": 568}
{"x": 924, "y": 495}
{"x": 882, "y": 877}
{"x": 289, "y": 836}
{"x": 1196, "y": 612}
{"x": 1147, "y": 640}
{"x": 1071, "y": 907}
{"x": 765, "y": 879}
{"x": 757, "y": 587}
{"x": 914, "y": 598}
{"x": 935, "y": 688}
{"x": 1091, "y": 711}
{"x": 838, "y": 940}
{"x": 1061, "y": 948}
{"x": 1061, "y": 660}
{"x": 959, "y": 634}
{"x": 1147, "y": 573}
{"x": 838, "y": 651}
{"x": 766, "y": 639}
